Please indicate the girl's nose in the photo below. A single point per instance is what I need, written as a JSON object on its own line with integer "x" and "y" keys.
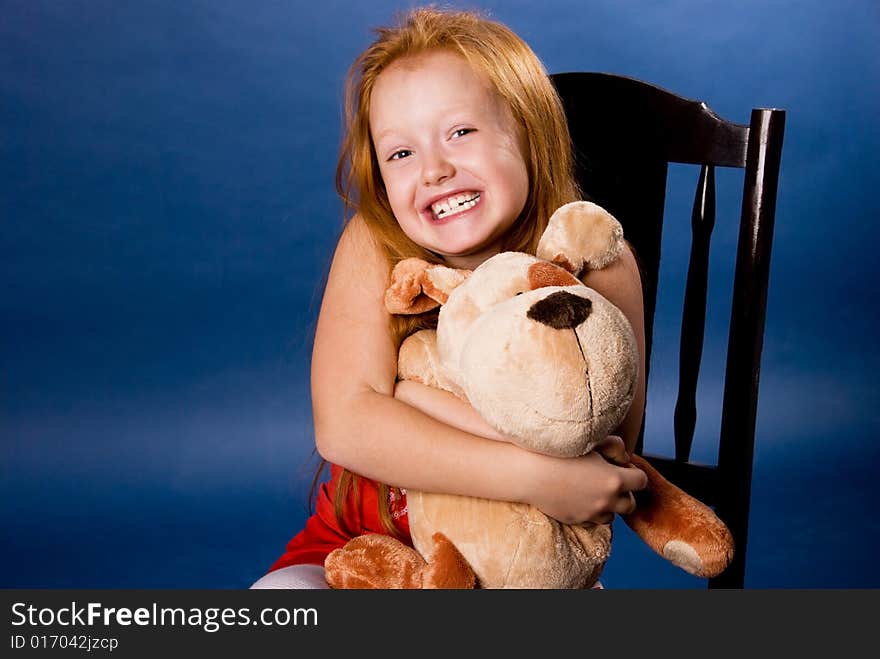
{"x": 437, "y": 169}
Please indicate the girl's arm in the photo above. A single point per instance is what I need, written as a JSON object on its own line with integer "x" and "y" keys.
{"x": 453, "y": 411}
{"x": 445, "y": 407}
{"x": 361, "y": 426}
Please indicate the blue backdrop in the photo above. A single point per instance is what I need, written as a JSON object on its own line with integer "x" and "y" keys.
{"x": 167, "y": 213}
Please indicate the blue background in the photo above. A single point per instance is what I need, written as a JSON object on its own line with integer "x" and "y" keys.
{"x": 167, "y": 214}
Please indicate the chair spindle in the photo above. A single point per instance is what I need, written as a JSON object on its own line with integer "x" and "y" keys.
{"x": 694, "y": 313}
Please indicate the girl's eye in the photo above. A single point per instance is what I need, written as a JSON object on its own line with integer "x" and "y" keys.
{"x": 461, "y": 132}
{"x": 397, "y": 155}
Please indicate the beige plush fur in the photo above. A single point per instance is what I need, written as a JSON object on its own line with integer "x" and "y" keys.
{"x": 552, "y": 365}
{"x": 583, "y": 235}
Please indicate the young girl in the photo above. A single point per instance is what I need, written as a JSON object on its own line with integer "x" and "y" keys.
{"x": 456, "y": 149}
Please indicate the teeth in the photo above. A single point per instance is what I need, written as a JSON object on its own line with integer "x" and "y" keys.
{"x": 455, "y": 204}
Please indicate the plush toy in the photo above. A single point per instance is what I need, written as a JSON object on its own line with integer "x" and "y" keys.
{"x": 552, "y": 365}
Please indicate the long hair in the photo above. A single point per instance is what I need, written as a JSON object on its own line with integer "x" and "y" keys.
{"x": 517, "y": 76}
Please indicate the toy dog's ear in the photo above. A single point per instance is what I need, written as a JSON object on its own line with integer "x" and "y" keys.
{"x": 581, "y": 235}
{"x": 418, "y": 286}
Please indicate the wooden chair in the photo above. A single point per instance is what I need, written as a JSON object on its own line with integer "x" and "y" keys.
{"x": 625, "y": 134}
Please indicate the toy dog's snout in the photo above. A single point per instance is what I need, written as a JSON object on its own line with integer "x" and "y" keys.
{"x": 561, "y": 310}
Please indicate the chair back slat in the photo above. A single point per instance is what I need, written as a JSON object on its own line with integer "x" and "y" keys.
{"x": 693, "y": 322}
{"x": 745, "y": 343}
{"x": 660, "y": 124}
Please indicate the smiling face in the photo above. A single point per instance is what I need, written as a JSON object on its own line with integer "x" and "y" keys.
{"x": 450, "y": 156}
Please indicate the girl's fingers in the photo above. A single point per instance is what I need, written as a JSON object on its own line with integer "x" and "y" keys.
{"x": 633, "y": 479}
{"x": 600, "y": 518}
{"x": 613, "y": 449}
{"x": 626, "y": 504}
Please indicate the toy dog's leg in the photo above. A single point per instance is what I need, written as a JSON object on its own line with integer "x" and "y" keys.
{"x": 683, "y": 530}
{"x": 448, "y": 568}
{"x": 376, "y": 561}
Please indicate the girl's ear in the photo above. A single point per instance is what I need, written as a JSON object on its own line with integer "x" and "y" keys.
{"x": 418, "y": 286}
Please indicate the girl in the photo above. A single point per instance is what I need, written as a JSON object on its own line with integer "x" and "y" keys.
{"x": 456, "y": 149}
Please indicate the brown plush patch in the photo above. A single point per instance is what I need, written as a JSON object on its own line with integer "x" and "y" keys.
{"x": 561, "y": 310}
{"x": 374, "y": 561}
{"x": 417, "y": 286}
{"x": 404, "y": 294}
{"x": 545, "y": 274}
{"x": 447, "y": 568}
{"x": 562, "y": 261}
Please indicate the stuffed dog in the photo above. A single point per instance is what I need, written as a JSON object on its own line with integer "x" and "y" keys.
{"x": 552, "y": 365}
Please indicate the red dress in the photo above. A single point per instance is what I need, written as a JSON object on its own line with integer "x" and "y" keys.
{"x": 323, "y": 533}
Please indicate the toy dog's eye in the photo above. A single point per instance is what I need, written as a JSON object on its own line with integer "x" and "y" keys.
{"x": 520, "y": 293}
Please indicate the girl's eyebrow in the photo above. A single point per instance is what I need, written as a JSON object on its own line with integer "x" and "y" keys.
{"x": 457, "y": 116}
{"x": 383, "y": 143}
{"x": 388, "y": 129}
{"x": 382, "y": 133}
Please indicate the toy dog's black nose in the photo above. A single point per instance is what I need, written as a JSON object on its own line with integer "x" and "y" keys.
{"x": 561, "y": 310}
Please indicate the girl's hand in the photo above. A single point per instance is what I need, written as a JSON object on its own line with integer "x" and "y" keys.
{"x": 587, "y": 489}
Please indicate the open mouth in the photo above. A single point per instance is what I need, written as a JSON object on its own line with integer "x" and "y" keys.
{"x": 454, "y": 205}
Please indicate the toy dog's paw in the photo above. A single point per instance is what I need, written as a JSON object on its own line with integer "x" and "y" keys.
{"x": 377, "y": 561}
{"x": 683, "y": 530}
{"x": 374, "y": 561}
{"x": 581, "y": 235}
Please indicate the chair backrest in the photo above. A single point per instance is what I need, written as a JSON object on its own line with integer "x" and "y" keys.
{"x": 625, "y": 134}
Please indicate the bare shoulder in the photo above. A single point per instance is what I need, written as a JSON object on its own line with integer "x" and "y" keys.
{"x": 357, "y": 244}
{"x": 357, "y": 234}
{"x": 359, "y": 270}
